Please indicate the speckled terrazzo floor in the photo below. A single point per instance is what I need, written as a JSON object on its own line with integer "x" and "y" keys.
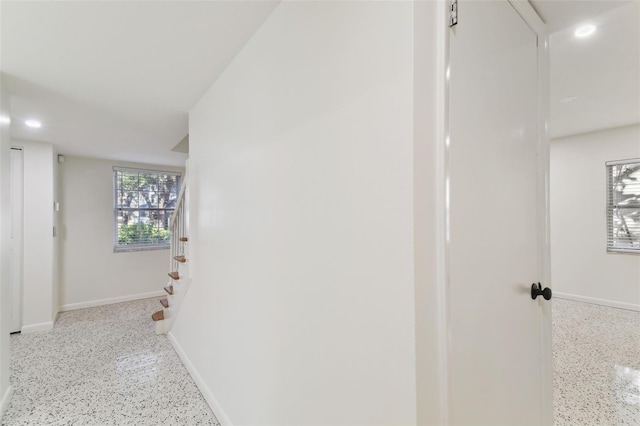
{"x": 596, "y": 353}
{"x": 102, "y": 366}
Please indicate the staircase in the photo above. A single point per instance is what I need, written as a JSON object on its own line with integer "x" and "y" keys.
{"x": 179, "y": 276}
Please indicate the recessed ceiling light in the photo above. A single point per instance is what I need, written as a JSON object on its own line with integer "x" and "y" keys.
{"x": 585, "y": 31}
{"x": 33, "y": 123}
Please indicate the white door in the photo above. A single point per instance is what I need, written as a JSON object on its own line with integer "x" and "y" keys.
{"x": 498, "y": 339}
{"x": 15, "y": 315}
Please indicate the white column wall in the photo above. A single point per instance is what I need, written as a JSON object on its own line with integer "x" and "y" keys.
{"x": 301, "y": 309}
{"x": 5, "y": 263}
{"x": 38, "y": 240}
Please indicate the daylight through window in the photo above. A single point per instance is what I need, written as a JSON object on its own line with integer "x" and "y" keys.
{"x": 623, "y": 206}
{"x": 144, "y": 202}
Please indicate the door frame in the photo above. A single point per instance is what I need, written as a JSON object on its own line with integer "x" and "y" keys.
{"x": 442, "y": 215}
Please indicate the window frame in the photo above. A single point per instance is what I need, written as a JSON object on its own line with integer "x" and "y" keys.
{"x": 117, "y": 248}
{"x": 610, "y": 205}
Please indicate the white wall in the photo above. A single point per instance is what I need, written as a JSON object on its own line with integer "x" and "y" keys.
{"x": 429, "y": 197}
{"x": 301, "y": 309}
{"x": 38, "y": 241}
{"x": 5, "y": 214}
{"x": 580, "y": 265}
{"x": 90, "y": 272}
{"x": 55, "y": 300}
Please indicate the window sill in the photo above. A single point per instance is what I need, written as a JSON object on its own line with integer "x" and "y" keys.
{"x": 623, "y": 251}
{"x": 125, "y": 249}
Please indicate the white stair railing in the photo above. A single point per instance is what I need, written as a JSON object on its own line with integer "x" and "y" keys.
{"x": 178, "y": 257}
{"x": 177, "y": 227}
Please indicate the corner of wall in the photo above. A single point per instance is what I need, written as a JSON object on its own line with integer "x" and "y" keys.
{"x": 429, "y": 53}
{"x": 55, "y": 302}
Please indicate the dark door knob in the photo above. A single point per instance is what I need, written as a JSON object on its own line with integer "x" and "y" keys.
{"x": 536, "y": 290}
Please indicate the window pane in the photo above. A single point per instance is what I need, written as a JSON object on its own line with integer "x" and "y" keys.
{"x": 149, "y": 182}
{"x": 626, "y": 184}
{"x": 162, "y": 219}
{"x": 148, "y": 200}
{"x": 167, "y": 191}
{"x": 120, "y": 198}
{"x": 623, "y": 206}
{"x": 129, "y": 181}
{"x": 128, "y": 199}
{"x": 127, "y": 228}
{"x": 144, "y": 203}
{"x": 141, "y": 227}
{"x": 626, "y": 228}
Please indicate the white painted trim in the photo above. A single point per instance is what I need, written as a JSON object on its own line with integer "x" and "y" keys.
{"x": 529, "y": 15}
{"x": 596, "y": 301}
{"x": 32, "y": 328}
{"x": 111, "y": 300}
{"x": 6, "y": 399}
{"x": 442, "y": 218}
{"x": 204, "y": 389}
{"x": 539, "y": 28}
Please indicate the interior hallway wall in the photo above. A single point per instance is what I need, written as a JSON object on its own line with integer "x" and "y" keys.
{"x": 301, "y": 309}
{"x": 38, "y": 285}
{"x": 55, "y": 302}
{"x": 5, "y": 262}
{"x": 91, "y": 273}
{"x": 580, "y": 265}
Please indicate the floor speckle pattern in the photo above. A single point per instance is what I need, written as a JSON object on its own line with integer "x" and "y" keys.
{"x": 106, "y": 366}
{"x": 102, "y": 366}
{"x": 596, "y": 358}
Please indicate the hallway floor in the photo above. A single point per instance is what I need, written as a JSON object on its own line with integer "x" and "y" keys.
{"x": 102, "y": 366}
{"x": 106, "y": 366}
{"x": 596, "y": 357}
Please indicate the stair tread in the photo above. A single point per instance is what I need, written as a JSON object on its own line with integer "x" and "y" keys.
{"x": 164, "y": 302}
{"x": 174, "y": 275}
{"x": 180, "y": 258}
{"x": 158, "y": 316}
{"x": 169, "y": 289}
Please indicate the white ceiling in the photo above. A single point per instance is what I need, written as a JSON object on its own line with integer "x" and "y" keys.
{"x": 595, "y": 81}
{"x": 560, "y": 14}
{"x": 116, "y": 79}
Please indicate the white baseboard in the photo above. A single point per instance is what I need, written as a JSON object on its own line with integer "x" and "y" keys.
{"x": 111, "y": 300}
{"x": 32, "y": 328}
{"x": 204, "y": 389}
{"x": 5, "y": 401}
{"x": 595, "y": 301}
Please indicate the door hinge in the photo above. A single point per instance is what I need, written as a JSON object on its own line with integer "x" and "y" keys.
{"x": 453, "y": 13}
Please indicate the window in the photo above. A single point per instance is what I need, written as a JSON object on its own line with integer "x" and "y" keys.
{"x": 144, "y": 202}
{"x": 623, "y": 206}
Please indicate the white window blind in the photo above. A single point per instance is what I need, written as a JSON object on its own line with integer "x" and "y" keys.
{"x": 143, "y": 203}
{"x": 623, "y": 206}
